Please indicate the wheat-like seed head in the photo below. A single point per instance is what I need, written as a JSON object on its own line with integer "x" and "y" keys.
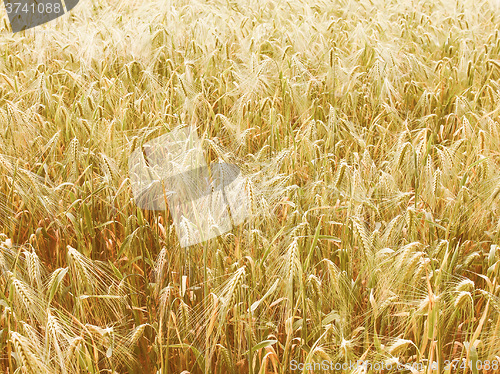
{"x": 160, "y": 265}
{"x": 26, "y": 358}
{"x": 369, "y": 134}
{"x": 77, "y": 260}
{"x": 34, "y": 269}
{"x": 137, "y": 333}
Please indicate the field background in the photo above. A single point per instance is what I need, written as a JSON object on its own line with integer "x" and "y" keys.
{"x": 369, "y": 134}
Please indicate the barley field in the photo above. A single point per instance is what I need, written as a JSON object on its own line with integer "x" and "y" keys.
{"x": 368, "y": 133}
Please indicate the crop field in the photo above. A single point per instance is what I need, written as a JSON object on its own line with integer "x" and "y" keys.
{"x": 368, "y": 134}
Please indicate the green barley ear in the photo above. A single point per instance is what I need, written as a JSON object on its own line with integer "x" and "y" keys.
{"x": 55, "y": 283}
{"x": 226, "y": 359}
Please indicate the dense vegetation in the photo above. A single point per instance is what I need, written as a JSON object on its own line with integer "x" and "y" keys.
{"x": 368, "y": 131}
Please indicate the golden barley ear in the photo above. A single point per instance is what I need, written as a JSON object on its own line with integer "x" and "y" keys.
{"x": 73, "y": 157}
{"x": 25, "y": 356}
{"x": 160, "y": 265}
